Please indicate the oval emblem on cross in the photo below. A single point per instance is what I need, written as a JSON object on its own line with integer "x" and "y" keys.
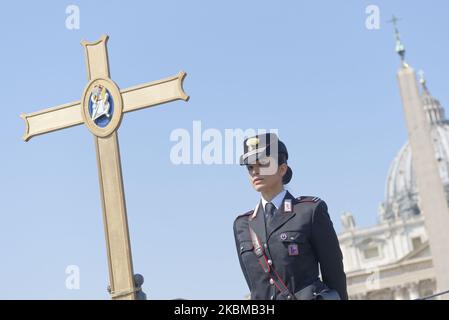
{"x": 102, "y": 107}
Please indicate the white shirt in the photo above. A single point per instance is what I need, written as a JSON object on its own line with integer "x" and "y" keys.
{"x": 277, "y": 200}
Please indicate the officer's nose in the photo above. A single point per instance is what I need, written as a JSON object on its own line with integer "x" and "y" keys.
{"x": 253, "y": 169}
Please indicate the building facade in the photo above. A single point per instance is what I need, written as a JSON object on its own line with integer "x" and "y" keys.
{"x": 392, "y": 260}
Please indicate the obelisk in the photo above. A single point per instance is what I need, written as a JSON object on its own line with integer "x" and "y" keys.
{"x": 432, "y": 196}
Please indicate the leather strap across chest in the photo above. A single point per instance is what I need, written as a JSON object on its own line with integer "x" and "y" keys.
{"x": 267, "y": 267}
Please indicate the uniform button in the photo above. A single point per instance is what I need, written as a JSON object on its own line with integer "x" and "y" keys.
{"x": 271, "y": 281}
{"x": 289, "y": 297}
{"x": 270, "y": 262}
{"x": 265, "y": 245}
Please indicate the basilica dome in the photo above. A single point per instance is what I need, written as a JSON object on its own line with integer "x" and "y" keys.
{"x": 401, "y": 198}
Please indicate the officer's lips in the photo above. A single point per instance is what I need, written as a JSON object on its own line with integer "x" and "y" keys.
{"x": 257, "y": 179}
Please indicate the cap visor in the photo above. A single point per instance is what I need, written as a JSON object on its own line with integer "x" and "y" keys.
{"x": 252, "y": 156}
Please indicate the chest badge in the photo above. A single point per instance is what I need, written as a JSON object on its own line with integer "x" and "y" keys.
{"x": 293, "y": 249}
{"x": 288, "y": 206}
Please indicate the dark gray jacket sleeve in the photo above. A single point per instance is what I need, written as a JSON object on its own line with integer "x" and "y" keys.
{"x": 327, "y": 249}
{"x": 242, "y": 266}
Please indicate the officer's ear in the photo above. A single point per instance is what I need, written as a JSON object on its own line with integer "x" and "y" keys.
{"x": 283, "y": 169}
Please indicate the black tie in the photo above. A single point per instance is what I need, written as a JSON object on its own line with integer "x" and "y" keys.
{"x": 269, "y": 211}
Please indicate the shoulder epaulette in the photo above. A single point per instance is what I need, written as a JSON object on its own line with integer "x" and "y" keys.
{"x": 308, "y": 199}
{"x": 245, "y": 214}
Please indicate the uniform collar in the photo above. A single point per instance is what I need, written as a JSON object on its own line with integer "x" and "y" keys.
{"x": 277, "y": 200}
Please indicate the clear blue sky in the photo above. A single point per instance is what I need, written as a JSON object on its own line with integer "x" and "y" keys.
{"x": 310, "y": 69}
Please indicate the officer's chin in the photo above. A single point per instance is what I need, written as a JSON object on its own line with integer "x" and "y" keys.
{"x": 259, "y": 186}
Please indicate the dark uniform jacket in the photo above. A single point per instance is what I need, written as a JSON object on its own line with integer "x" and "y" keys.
{"x": 296, "y": 243}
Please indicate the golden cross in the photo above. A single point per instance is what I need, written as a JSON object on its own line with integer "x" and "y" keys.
{"x": 101, "y": 109}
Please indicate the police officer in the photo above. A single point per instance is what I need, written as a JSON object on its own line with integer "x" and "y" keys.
{"x": 285, "y": 241}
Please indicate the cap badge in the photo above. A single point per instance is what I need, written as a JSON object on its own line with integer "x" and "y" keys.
{"x": 252, "y": 143}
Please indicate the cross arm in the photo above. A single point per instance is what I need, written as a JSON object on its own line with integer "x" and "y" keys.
{"x": 154, "y": 93}
{"x": 52, "y": 119}
{"x": 134, "y": 98}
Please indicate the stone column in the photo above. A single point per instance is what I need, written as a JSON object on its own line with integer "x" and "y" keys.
{"x": 398, "y": 293}
{"x": 413, "y": 289}
{"x": 433, "y": 199}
